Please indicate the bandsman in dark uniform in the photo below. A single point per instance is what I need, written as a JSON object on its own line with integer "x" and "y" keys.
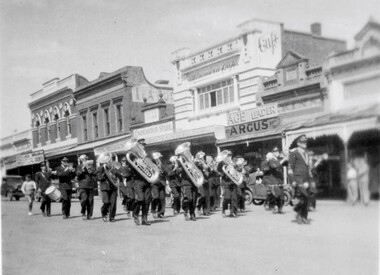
{"x": 65, "y": 175}
{"x": 230, "y": 188}
{"x": 158, "y": 189}
{"x": 126, "y": 186}
{"x": 43, "y": 182}
{"x": 107, "y": 175}
{"x": 175, "y": 184}
{"x": 86, "y": 175}
{"x": 242, "y": 168}
{"x": 214, "y": 182}
{"x": 300, "y": 176}
{"x": 204, "y": 190}
{"x": 142, "y": 193}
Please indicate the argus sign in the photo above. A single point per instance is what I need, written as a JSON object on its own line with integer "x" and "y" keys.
{"x": 253, "y": 127}
{"x": 267, "y": 111}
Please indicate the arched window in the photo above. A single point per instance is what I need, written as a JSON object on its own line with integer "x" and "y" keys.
{"x": 56, "y": 117}
{"x": 67, "y": 113}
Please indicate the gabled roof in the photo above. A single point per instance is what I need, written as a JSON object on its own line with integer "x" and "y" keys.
{"x": 371, "y": 24}
{"x": 291, "y": 58}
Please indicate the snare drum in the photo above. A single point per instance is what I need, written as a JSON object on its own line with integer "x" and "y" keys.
{"x": 53, "y": 193}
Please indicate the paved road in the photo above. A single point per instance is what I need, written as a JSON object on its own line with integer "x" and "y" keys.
{"x": 341, "y": 239}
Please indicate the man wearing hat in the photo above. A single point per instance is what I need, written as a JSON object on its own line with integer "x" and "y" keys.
{"x": 85, "y": 173}
{"x": 43, "y": 182}
{"x": 204, "y": 190}
{"x": 158, "y": 188}
{"x": 65, "y": 175}
{"x": 126, "y": 186}
{"x": 142, "y": 193}
{"x": 230, "y": 189}
{"x": 300, "y": 176}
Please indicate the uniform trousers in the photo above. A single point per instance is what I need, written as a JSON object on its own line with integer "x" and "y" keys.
{"x": 158, "y": 199}
{"x": 176, "y": 191}
{"x": 109, "y": 198}
{"x": 143, "y": 197}
{"x": 190, "y": 196}
{"x": 46, "y": 203}
{"x": 86, "y": 196}
{"x": 66, "y": 201}
{"x": 204, "y": 201}
{"x": 302, "y": 208}
{"x": 230, "y": 198}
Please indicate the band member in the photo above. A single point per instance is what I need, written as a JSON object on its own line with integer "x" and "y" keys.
{"x": 142, "y": 193}
{"x": 230, "y": 189}
{"x": 43, "y": 182}
{"x": 175, "y": 184}
{"x": 241, "y": 167}
{"x": 126, "y": 186}
{"x": 273, "y": 179}
{"x": 158, "y": 189}
{"x": 214, "y": 182}
{"x": 85, "y": 173}
{"x": 107, "y": 175}
{"x": 204, "y": 190}
{"x": 65, "y": 174}
{"x": 300, "y": 176}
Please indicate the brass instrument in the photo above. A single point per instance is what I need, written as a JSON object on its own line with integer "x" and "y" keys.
{"x": 186, "y": 160}
{"x": 228, "y": 168}
{"x": 137, "y": 158}
{"x": 109, "y": 167}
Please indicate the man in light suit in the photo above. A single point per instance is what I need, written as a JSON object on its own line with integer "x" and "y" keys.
{"x": 300, "y": 176}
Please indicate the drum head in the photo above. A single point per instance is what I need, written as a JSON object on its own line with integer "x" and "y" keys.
{"x": 50, "y": 190}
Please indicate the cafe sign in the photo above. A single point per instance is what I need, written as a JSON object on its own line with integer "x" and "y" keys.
{"x": 30, "y": 158}
{"x": 260, "y": 113}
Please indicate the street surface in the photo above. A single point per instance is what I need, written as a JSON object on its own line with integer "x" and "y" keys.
{"x": 341, "y": 239}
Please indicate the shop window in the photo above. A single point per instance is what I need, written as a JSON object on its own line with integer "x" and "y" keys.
{"x": 107, "y": 129}
{"x": 119, "y": 117}
{"x": 84, "y": 127}
{"x": 95, "y": 124}
{"x": 216, "y": 94}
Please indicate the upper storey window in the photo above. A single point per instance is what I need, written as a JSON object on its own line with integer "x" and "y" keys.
{"x": 216, "y": 94}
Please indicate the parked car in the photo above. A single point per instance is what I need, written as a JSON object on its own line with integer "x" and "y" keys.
{"x": 11, "y": 187}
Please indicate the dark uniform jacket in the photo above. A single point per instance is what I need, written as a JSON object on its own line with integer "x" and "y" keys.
{"x": 85, "y": 178}
{"x": 65, "y": 177}
{"x": 173, "y": 177}
{"x": 226, "y": 181}
{"x": 126, "y": 179}
{"x": 298, "y": 166}
{"x": 43, "y": 180}
{"x": 105, "y": 183}
{"x": 272, "y": 172}
{"x": 185, "y": 179}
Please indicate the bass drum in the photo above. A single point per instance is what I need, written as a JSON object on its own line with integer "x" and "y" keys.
{"x": 287, "y": 198}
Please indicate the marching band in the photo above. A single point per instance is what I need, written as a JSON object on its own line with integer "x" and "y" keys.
{"x": 194, "y": 182}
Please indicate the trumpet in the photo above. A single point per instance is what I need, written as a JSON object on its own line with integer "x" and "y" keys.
{"x": 186, "y": 160}
{"x": 229, "y": 170}
{"x": 137, "y": 158}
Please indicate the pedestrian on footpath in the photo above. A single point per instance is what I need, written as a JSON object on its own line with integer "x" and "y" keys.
{"x": 29, "y": 188}
{"x": 352, "y": 184}
{"x": 361, "y": 165}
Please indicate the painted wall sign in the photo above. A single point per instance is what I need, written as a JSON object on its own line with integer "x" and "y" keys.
{"x": 224, "y": 66}
{"x": 253, "y": 127}
{"x": 155, "y": 130}
{"x": 267, "y": 111}
{"x": 30, "y": 158}
{"x": 151, "y": 94}
{"x": 268, "y": 42}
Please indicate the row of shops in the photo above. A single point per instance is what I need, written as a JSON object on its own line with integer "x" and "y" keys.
{"x": 237, "y": 95}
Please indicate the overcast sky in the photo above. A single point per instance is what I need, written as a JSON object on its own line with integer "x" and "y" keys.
{"x": 43, "y": 39}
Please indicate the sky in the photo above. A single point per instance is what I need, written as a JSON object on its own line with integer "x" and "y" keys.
{"x": 44, "y": 39}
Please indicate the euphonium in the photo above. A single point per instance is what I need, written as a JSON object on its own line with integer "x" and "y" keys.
{"x": 229, "y": 170}
{"x": 186, "y": 159}
{"x": 136, "y": 157}
{"x": 110, "y": 166}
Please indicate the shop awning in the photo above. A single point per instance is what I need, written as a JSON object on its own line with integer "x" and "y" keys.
{"x": 343, "y": 123}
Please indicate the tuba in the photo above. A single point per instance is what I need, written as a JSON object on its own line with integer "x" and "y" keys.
{"x": 229, "y": 170}
{"x": 136, "y": 157}
{"x": 110, "y": 166}
{"x": 186, "y": 160}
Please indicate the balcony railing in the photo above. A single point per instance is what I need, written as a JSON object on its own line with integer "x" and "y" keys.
{"x": 271, "y": 83}
{"x": 313, "y": 72}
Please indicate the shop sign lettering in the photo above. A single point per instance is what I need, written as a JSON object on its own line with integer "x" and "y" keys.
{"x": 267, "y": 111}
{"x": 30, "y": 158}
{"x": 253, "y": 127}
{"x": 268, "y": 42}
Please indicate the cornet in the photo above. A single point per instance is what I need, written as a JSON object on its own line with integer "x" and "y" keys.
{"x": 186, "y": 160}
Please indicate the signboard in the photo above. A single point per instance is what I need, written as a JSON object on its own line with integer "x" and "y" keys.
{"x": 224, "y": 66}
{"x": 260, "y": 113}
{"x": 253, "y": 127}
{"x": 155, "y": 130}
{"x": 112, "y": 148}
{"x": 30, "y": 158}
{"x": 151, "y": 94}
{"x": 181, "y": 134}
